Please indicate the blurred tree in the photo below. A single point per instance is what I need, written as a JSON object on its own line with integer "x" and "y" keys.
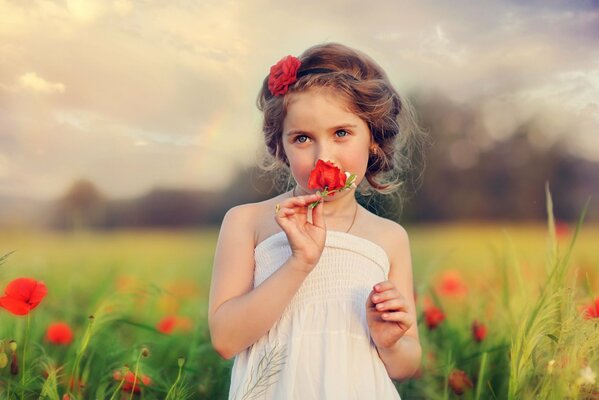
{"x": 82, "y": 206}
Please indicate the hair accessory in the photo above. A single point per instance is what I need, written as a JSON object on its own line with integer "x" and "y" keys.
{"x": 285, "y": 72}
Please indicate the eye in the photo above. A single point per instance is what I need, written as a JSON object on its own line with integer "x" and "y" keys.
{"x": 301, "y": 138}
{"x": 344, "y": 133}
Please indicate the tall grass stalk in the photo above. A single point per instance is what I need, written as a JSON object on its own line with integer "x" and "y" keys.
{"x": 82, "y": 348}
{"x": 481, "y": 375}
{"x": 50, "y": 388}
{"x": 543, "y": 320}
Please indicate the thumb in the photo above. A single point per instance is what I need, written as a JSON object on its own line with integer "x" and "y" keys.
{"x": 318, "y": 215}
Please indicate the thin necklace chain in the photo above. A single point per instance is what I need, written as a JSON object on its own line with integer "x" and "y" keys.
{"x": 352, "y": 221}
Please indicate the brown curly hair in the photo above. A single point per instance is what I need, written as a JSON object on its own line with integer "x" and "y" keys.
{"x": 371, "y": 96}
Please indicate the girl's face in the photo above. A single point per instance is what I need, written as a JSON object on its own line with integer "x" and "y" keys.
{"x": 319, "y": 125}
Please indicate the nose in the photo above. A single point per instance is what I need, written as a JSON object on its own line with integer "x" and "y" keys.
{"x": 325, "y": 153}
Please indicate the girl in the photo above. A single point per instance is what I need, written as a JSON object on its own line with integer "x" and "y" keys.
{"x": 317, "y": 302}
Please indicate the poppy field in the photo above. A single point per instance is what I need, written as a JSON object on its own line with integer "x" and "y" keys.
{"x": 504, "y": 311}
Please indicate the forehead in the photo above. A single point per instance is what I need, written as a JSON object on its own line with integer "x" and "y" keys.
{"x": 317, "y": 106}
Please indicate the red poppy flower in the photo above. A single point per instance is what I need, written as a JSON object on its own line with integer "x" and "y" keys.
{"x": 59, "y": 333}
{"x": 452, "y": 285}
{"x": 433, "y": 317}
{"x": 592, "y": 311}
{"x": 459, "y": 381}
{"x": 283, "y": 74}
{"x": 23, "y": 295}
{"x": 326, "y": 176}
{"x": 479, "y": 331}
{"x": 168, "y": 324}
{"x": 144, "y": 380}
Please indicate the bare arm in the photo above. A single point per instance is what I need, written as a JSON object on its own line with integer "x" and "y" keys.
{"x": 238, "y": 313}
{"x": 396, "y": 336}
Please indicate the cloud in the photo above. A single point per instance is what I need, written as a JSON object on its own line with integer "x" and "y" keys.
{"x": 145, "y": 93}
{"x": 31, "y": 81}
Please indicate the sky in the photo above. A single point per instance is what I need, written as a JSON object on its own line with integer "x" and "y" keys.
{"x": 134, "y": 95}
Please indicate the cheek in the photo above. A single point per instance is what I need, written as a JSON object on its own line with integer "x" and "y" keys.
{"x": 300, "y": 165}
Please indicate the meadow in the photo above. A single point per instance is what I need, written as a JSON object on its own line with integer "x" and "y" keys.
{"x": 503, "y": 313}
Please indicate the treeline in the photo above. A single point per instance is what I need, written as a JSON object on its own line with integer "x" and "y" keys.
{"x": 469, "y": 175}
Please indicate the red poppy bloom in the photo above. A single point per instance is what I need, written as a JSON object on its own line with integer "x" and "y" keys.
{"x": 167, "y": 324}
{"x": 59, "y": 333}
{"x": 479, "y": 331}
{"x": 592, "y": 310}
{"x": 452, "y": 285}
{"x": 459, "y": 381}
{"x": 23, "y": 295}
{"x": 144, "y": 380}
{"x": 433, "y": 316}
{"x": 326, "y": 175}
{"x": 170, "y": 323}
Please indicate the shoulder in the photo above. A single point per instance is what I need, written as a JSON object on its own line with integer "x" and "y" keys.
{"x": 253, "y": 218}
{"x": 392, "y": 236}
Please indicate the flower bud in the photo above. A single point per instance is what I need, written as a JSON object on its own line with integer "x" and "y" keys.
{"x": 13, "y": 345}
{"x": 145, "y": 352}
{"x": 3, "y": 360}
{"x": 14, "y": 365}
{"x": 180, "y": 361}
{"x": 459, "y": 382}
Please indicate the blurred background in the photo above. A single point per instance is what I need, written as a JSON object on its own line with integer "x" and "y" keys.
{"x": 128, "y": 129}
{"x": 142, "y": 113}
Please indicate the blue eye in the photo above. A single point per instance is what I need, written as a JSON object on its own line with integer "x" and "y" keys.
{"x": 298, "y": 137}
{"x": 344, "y": 131}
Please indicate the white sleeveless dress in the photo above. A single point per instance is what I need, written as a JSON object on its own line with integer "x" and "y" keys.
{"x": 320, "y": 348}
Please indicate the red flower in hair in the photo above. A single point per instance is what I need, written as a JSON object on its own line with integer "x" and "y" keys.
{"x": 23, "y": 295}
{"x": 59, "y": 333}
{"x": 283, "y": 74}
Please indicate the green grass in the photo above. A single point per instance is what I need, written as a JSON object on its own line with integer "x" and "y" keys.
{"x": 128, "y": 280}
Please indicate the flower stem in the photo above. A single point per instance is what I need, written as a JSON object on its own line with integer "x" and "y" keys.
{"x": 118, "y": 388}
{"x": 135, "y": 374}
{"x": 168, "y": 395}
{"x": 25, "y": 355}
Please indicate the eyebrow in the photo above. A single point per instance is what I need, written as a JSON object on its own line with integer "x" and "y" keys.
{"x": 335, "y": 128}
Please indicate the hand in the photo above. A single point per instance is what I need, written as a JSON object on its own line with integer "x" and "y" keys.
{"x": 386, "y": 331}
{"x": 305, "y": 239}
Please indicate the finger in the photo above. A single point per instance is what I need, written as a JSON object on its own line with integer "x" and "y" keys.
{"x": 401, "y": 317}
{"x": 392, "y": 305}
{"x": 386, "y": 295}
{"x": 382, "y": 286}
{"x": 369, "y": 303}
{"x": 283, "y": 218}
{"x": 318, "y": 215}
{"x": 299, "y": 201}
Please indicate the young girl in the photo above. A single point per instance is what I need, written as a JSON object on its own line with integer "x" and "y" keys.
{"x": 317, "y": 302}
